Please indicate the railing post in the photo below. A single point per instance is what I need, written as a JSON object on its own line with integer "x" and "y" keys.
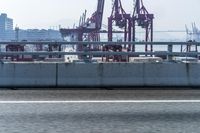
{"x": 170, "y": 50}
{"x": 86, "y": 57}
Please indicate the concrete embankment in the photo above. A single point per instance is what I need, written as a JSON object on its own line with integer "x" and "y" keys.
{"x": 99, "y": 75}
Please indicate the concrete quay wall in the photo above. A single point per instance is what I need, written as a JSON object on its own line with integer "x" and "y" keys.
{"x": 99, "y": 75}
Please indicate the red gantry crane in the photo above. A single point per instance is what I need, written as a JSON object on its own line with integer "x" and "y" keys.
{"x": 123, "y": 21}
{"x": 143, "y": 19}
{"x": 88, "y": 29}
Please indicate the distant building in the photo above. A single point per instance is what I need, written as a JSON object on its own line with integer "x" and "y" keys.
{"x": 39, "y": 35}
{"x": 6, "y": 27}
{"x": 7, "y": 32}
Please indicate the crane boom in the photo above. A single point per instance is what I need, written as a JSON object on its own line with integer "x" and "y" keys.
{"x": 95, "y": 21}
{"x": 99, "y": 17}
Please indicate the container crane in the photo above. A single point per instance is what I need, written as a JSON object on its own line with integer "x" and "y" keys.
{"x": 192, "y": 36}
{"x": 90, "y": 26}
{"x": 122, "y": 20}
{"x": 88, "y": 29}
{"x": 142, "y": 18}
{"x": 196, "y": 32}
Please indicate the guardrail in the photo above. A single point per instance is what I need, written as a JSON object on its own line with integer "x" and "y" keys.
{"x": 169, "y": 52}
{"x": 100, "y": 43}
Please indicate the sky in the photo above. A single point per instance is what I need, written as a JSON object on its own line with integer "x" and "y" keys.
{"x": 169, "y": 14}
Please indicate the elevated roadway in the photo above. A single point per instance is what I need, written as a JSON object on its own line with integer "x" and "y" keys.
{"x": 47, "y": 111}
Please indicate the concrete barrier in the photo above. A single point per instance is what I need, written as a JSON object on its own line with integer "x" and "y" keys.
{"x": 27, "y": 75}
{"x": 99, "y": 75}
{"x": 106, "y": 74}
{"x": 129, "y": 74}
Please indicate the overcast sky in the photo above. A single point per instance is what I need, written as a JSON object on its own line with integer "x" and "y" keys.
{"x": 169, "y": 14}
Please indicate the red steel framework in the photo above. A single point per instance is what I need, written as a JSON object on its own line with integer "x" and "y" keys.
{"x": 18, "y": 48}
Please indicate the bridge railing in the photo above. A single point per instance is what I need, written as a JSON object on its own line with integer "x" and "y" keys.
{"x": 169, "y": 52}
{"x": 98, "y": 43}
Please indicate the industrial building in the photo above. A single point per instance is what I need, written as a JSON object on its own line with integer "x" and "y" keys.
{"x": 38, "y": 35}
